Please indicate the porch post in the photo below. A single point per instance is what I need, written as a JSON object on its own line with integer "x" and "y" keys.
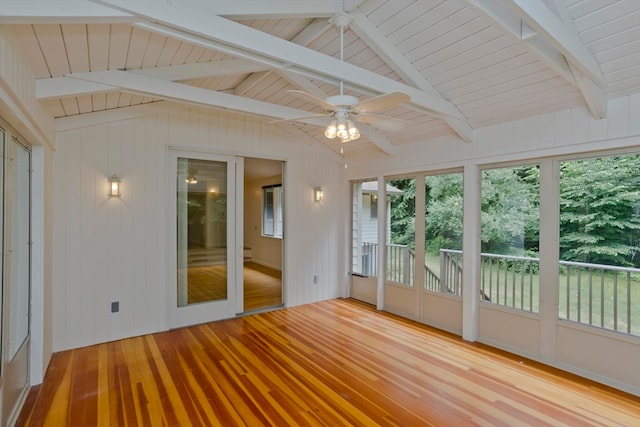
{"x": 471, "y": 251}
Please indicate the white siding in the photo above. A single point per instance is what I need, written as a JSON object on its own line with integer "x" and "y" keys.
{"x": 114, "y": 249}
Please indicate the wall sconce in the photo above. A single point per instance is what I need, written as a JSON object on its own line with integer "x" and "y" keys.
{"x": 318, "y": 194}
{"x": 114, "y": 186}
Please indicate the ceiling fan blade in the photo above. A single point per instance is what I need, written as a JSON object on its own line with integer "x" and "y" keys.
{"x": 383, "y": 102}
{"x": 382, "y": 122}
{"x": 319, "y": 102}
{"x": 293, "y": 119}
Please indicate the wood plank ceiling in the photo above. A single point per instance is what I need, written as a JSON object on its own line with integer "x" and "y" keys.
{"x": 464, "y": 63}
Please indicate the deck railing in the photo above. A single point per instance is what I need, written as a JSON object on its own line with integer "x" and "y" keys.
{"x": 401, "y": 264}
{"x": 602, "y": 296}
{"x": 510, "y": 281}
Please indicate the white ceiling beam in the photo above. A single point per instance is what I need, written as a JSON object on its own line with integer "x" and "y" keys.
{"x": 511, "y": 24}
{"x": 281, "y": 9}
{"x": 547, "y": 24}
{"x": 381, "y": 46}
{"x": 59, "y": 12}
{"x": 130, "y": 82}
{"x": 536, "y": 27}
{"x": 230, "y": 37}
{"x": 593, "y": 95}
{"x": 371, "y": 35}
{"x": 200, "y": 70}
{"x": 377, "y": 138}
{"x": 115, "y": 115}
{"x": 60, "y": 87}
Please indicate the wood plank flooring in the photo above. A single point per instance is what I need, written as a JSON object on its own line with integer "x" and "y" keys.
{"x": 332, "y": 363}
{"x": 262, "y": 285}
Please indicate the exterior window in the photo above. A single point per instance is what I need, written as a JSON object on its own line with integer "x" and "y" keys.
{"x": 272, "y": 211}
{"x": 443, "y": 233}
{"x": 400, "y": 250}
{"x": 599, "y": 242}
{"x": 374, "y": 205}
{"x": 510, "y": 237}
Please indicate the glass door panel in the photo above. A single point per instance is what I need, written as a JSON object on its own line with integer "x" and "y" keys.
{"x": 16, "y": 278}
{"x": 400, "y": 248}
{"x": 202, "y": 231}
{"x": 204, "y": 262}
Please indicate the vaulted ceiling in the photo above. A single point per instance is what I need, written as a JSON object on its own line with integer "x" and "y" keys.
{"x": 464, "y": 63}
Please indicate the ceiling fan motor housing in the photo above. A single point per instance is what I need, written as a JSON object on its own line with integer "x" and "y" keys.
{"x": 342, "y": 101}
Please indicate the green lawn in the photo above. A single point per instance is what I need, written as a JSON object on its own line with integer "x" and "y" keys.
{"x": 601, "y": 290}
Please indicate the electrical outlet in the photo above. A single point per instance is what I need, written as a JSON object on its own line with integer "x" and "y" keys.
{"x": 316, "y": 279}
{"x": 115, "y": 306}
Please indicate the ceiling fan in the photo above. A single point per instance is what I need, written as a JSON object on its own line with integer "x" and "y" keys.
{"x": 345, "y": 109}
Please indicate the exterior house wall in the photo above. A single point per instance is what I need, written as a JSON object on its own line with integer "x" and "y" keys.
{"x": 369, "y": 224}
{"x": 108, "y": 250}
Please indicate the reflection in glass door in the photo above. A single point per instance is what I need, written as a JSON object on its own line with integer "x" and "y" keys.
{"x": 202, "y": 231}
{"x": 204, "y": 262}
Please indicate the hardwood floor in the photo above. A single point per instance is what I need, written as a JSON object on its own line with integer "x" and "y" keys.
{"x": 262, "y": 285}
{"x": 332, "y": 363}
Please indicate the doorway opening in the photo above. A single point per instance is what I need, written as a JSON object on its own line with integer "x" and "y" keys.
{"x": 263, "y": 234}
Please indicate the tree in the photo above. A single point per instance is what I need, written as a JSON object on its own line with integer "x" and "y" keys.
{"x": 443, "y": 224}
{"x": 600, "y": 210}
{"x": 510, "y": 210}
{"x": 402, "y": 211}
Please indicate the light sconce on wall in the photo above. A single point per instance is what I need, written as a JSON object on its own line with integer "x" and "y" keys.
{"x": 318, "y": 194}
{"x": 114, "y": 186}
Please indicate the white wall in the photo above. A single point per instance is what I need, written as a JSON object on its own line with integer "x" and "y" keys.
{"x": 18, "y": 104}
{"x": 114, "y": 249}
{"x": 19, "y": 107}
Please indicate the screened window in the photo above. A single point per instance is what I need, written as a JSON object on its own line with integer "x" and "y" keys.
{"x": 511, "y": 236}
{"x": 599, "y": 242}
{"x": 272, "y": 211}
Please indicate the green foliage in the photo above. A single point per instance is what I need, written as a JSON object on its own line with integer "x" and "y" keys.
{"x": 600, "y": 210}
{"x": 510, "y": 210}
{"x": 403, "y": 209}
{"x": 443, "y": 222}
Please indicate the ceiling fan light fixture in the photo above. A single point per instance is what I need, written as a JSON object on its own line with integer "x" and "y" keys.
{"x": 331, "y": 131}
{"x": 353, "y": 131}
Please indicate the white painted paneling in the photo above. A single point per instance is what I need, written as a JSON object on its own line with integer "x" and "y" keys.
{"x": 511, "y": 330}
{"x": 17, "y": 94}
{"x": 442, "y": 311}
{"x": 113, "y": 249}
{"x": 620, "y": 352}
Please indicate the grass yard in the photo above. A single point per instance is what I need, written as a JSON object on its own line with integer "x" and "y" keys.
{"x": 604, "y": 299}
